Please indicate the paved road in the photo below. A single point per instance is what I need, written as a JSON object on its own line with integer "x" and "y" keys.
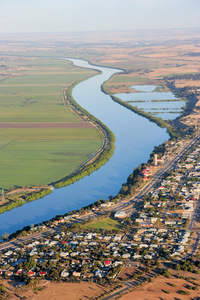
{"x": 167, "y": 166}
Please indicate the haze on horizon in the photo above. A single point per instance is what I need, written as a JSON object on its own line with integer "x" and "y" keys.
{"x": 97, "y": 15}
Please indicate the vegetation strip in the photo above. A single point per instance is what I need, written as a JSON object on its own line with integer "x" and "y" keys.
{"x": 103, "y": 154}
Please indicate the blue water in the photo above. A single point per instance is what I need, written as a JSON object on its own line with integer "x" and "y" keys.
{"x": 144, "y": 88}
{"x": 135, "y": 139}
{"x": 161, "y": 107}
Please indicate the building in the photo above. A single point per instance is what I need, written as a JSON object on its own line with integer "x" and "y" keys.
{"x": 120, "y": 214}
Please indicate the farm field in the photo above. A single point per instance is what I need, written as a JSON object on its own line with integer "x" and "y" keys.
{"x": 32, "y": 83}
{"x": 41, "y": 139}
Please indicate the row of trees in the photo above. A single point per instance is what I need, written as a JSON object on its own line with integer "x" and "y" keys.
{"x": 36, "y": 195}
{"x": 104, "y": 156}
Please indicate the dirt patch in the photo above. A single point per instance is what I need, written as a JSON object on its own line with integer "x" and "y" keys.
{"x": 128, "y": 272}
{"x": 46, "y": 125}
{"x": 166, "y": 289}
{"x": 183, "y": 83}
{"x": 61, "y": 291}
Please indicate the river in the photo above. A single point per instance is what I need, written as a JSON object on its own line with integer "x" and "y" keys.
{"x": 135, "y": 140}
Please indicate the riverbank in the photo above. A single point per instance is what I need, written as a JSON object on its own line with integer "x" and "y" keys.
{"x": 101, "y": 156}
{"x": 109, "y": 178}
{"x": 174, "y": 129}
{"x": 98, "y": 159}
{"x": 67, "y": 95}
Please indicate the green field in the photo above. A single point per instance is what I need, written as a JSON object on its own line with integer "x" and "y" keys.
{"x": 106, "y": 224}
{"x": 33, "y": 92}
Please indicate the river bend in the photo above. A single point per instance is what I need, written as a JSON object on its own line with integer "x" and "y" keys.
{"x": 135, "y": 140}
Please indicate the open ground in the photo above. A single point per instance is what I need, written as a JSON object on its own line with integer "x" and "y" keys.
{"x": 41, "y": 139}
{"x": 61, "y": 291}
{"x": 167, "y": 288}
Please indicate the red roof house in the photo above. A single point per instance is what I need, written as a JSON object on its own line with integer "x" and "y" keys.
{"x": 42, "y": 273}
{"x": 30, "y": 273}
{"x": 107, "y": 263}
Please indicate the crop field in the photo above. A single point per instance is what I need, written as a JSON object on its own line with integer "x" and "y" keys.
{"x": 41, "y": 139}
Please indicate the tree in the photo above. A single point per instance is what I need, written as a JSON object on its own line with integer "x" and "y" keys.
{"x": 5, "y": 236}
{"x": 177, "y": 267}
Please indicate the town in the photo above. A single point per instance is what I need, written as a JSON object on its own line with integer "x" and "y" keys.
{"x": 157, "y": 227}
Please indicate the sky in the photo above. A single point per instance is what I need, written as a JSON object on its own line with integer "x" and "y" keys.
{"x": 95, "y": 15}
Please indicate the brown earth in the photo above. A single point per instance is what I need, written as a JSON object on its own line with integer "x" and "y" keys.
{"x": 128, "y": 272}
{"x": 183, "y": 83}
{"x": 163, "y": 288}
{"x": 60, "y": 291}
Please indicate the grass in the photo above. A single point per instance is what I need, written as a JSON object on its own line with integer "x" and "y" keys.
{"x": 107, "y": 224}
{"x": 33, "y": 92}
{"x": 42, "y": 156}
{"x": 37, "y": 98}
{"x": 127, "y": 79}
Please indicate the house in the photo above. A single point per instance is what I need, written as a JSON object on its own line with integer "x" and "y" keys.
{"x": 120, "y": 214}
{"x": 64, "y": 254}
{"x": 75, "y": 261}
{"x": 126, "y": 255}
{"x": 76, "y": 274}
{"x": 107, "y": 238}
{"x": 117, "y": 237}
{"x": 83, "y": 254}
{"x": 89, "y": 236}
{"x": 52, "y": 243}
{"x": 8, "y": 273}
{"x": 154, "y": 246}
{"x": 107, "y": 263}
{"x": 98, "y": 273}
{"x": 117, "y": 263}
{"x": 93, "y": 244}
{"x": 107, "y": 204}
{"x": 137, "y": 256}
{"x": 186, "y": 215}
{"x": 42, "y": 273}
{"x": 31, "y": 245}
{"x": 73, "y": 254}
{"x": 19, "y": 272}
{"x": 8, "y": 253}
{"x": 31, "y": 273}
{"x": 153, "y": 220}
{"x": 116, "y": 254}
{"x": 148, "y": 257}
{"x": 145, "y": 224}
{"x": 33, "y": 253}
{"x": 59, "y": 221}
{"x": 57, "y": 236}
{"x": 180, "y": 249}
{"x": 64, "y": 274}
{"x": 170, "y": 223}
